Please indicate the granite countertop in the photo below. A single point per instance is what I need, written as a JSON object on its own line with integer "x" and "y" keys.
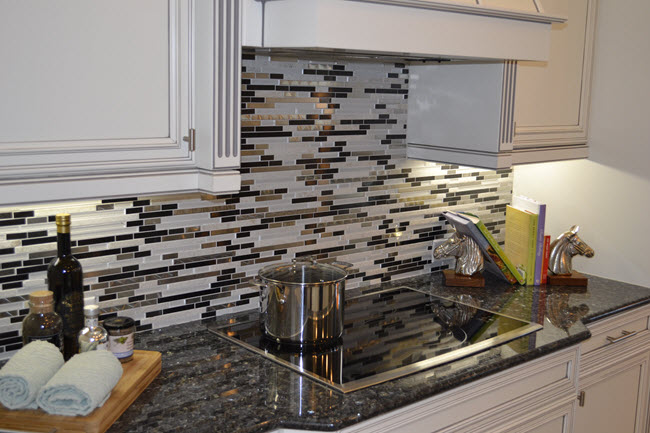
{"x": 208, "y": 384}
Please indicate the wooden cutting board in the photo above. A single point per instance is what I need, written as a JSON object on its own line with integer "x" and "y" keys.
{"x": 137, "y": 375}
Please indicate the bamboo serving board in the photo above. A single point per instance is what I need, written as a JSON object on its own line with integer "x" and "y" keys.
{"x": 137, "y": 375}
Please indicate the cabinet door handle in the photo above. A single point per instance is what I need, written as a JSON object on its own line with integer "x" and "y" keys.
{"x": 581, "y": 399}
{"x": 625, "y": 335}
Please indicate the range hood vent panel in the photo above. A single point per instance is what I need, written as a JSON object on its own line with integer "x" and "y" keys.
{"x": 408, "y": 28}
{"x": 462, "y": 113}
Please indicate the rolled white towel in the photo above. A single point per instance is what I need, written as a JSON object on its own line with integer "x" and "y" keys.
{"x": 26, "y": 372}
{"x": 82, "y": 384}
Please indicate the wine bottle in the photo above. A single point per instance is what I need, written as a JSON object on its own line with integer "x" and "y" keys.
{"x": 65, "y": 280}
{"x": 42, "y": 322}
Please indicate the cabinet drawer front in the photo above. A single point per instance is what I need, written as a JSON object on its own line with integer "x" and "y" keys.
{"x": 616, "y": 330}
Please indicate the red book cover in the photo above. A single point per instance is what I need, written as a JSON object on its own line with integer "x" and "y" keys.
{"x": 547, "y": 255}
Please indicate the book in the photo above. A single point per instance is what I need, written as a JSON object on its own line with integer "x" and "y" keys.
{"x": 495, "y": 252}
{"x": 521, "y": 237}
{"x": 533, "y": 206}
{"x": 546, "y": 258}
{"x": 465, "y": 226}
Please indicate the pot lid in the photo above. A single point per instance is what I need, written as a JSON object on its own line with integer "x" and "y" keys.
{"x": 304, "y": 270}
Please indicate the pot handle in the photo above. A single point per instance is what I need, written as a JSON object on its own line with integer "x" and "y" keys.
{"x": 257, "y": 281}
{"x": 264, "y": 295}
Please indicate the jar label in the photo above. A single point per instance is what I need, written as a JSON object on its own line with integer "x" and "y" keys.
{"x": 121, "y": 345}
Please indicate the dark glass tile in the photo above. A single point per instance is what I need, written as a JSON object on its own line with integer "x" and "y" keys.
{"x": 114, "y": 277}
{"x": 37, "y": 241}
{"x": 12, "y": 222}
{"x": 119, "y": 200}
{"x": 103, "y": 240}
{"x": 177, "y": 309}
{"x": 158, "y": 214}
{"x": 14, "y": 236}
{"x": 38, "y": 234}
{"x": 24, "y": 214}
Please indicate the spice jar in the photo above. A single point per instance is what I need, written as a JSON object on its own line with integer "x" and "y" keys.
{"x": 42, "y": 323}
{"x": 121, "y": 335}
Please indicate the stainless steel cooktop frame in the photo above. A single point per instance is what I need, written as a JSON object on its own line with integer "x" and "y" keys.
{"x": 397, "y": 372}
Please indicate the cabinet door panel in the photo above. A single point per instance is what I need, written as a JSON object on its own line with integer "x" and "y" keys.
{"x": 556, "y": 425}
{"x": 552, "y": 98}
{"x": 549, "y": 93}
{"x": 97, "y": 99}
{"x": 92, "y": 87}
{"x": 611, "y": 404}
{"x": 84, "y": 70}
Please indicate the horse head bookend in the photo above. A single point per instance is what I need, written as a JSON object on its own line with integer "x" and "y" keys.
{"x": 567, "y": 245}
{"x": 469, "y": 259}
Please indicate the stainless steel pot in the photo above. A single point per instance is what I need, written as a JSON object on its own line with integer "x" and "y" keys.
{"x": 301, "y": 303}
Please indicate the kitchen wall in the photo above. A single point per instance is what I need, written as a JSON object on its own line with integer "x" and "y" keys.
{"x": 608, "y": 195}
{"x": 324, "y": 173}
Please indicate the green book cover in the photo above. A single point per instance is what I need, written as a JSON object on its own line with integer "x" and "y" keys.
{"x": 496, "y": 252}
{"x": 521, "y": 240}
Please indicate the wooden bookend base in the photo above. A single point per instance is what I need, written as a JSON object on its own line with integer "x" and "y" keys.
{"x": 451, "y": 278}
{"x": 575, "y": 279}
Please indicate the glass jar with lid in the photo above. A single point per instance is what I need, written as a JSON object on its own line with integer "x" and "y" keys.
{"x": 121, "y": 336}
{"x": 42, "y": 322}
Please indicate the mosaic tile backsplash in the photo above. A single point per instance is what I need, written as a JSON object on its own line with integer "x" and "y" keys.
{"x": 324, "y": 173}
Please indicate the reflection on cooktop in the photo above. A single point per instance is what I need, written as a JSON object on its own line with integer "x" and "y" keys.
{"x": 386, "y": 335}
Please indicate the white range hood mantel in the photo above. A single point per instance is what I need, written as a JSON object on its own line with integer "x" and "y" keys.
{"x": 459, "y": 112}
{"x": 460, "y": 29}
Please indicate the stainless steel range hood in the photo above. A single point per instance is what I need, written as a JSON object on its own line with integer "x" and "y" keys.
{"x": 449, "y": 29}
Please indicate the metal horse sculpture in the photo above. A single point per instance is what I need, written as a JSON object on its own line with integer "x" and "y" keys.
{"x": 469, "y": 258}
{"x": 567, "y": 245}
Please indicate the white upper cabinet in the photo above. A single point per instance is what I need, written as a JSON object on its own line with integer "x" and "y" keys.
{"x": 217, "y": 90}
{"x": 101, "y": 99}
{"x": 552, "y": 98}
{"x": 85, "y": 71}
{"x": 541, "y": 110}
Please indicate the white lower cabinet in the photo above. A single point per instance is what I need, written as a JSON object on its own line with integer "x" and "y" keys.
{"x": 610, "y": 399}
{"x": 553, "y": 419}
{"x": 613, "y": 379}
{"x": 557, "y": 422}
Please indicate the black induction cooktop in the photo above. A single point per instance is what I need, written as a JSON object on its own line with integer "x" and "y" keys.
{"x": 387, "y": 334}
